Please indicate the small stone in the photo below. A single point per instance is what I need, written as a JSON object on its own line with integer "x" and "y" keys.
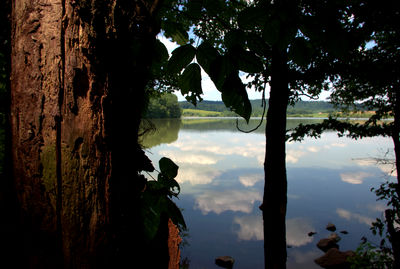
{"x": 311, "y": 233}
{"x": 327, "y": 243}
{"x": 334, "y": 258}
{"x": 335, "y": 237}
{"x": 225, "y": 261}
{"x": 331, "y": 227}
{"x": 344, "y": 232}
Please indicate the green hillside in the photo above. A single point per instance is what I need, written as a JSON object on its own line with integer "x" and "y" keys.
{"x": 301, "y": 108}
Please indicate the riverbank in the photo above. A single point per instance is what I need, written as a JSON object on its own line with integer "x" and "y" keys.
{"x": 198, "y": 113}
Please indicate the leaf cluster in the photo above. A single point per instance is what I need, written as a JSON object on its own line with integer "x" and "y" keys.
{"x": 343, "y": 127}
{"x": 240, "y": 36}
{"x": 369, "y": 256}
{"x": 381, "y": 256}
{"x": 157, "y": 199}
{"x": 222, "y": 69}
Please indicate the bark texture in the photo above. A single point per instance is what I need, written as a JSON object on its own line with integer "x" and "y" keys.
{"x": 275, "y": 189}
{"x": 79, "y": 70}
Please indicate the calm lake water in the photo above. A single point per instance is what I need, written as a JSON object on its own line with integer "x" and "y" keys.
{"x": 221, "y": 178}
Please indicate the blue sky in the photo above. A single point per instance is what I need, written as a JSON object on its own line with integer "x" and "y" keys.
{"x": 209, "y": 90}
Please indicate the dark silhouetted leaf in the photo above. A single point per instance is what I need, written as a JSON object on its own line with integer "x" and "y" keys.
{"x": 168, "y": 167}
{"x": 252, "y": 17}
{"x": 247, "y": 61}
{"x": 175, "y": 214}
{"x": 220, "y": 69}
{"x": 235, "y": 97}
{"x": 234, "y": 38}
{"x": 256, "y": 44}
{"x": 190, "y": 82}
{"x": 271, "y": 32}
{"x": 205, "y": 55}
{"x": 300, "y": 52}
{"x": 194, "y": 8}
{"x": 176, "y": 32}
{"x": 180, "y": 58}
{"x": 214, "y": 7}
{"x": 160, "y": 52}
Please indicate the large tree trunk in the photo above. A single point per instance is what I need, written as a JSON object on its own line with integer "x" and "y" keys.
{"x": 275, "y": 189}
{"x": 79, "y": 70}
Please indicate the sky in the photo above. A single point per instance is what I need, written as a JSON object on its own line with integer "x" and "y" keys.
{"x": 209, "y": 90}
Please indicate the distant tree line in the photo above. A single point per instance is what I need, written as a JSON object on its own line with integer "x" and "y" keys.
{"x": 163, "y": 105}
{"x": 300, "y": 107}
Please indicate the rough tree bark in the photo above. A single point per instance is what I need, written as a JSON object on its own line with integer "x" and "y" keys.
{"x": 275, "y": 188}
{"x": 79, "y": 70}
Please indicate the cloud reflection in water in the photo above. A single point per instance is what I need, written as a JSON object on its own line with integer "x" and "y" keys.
{"x": 196, "y": 175}
{"x": 354, "y": 177}
{"x": 251, "y": 179}
{"x": 297, "y": 229}
{"x": 343, "y": 213}
{"x": 234, "y": 200}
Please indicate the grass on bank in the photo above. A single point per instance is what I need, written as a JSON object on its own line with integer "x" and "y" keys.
{"x": 200, "y": 113}
{"x": 206, "y": 113}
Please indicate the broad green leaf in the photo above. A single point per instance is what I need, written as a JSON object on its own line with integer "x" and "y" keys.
{"x": 175, "y": 31}
{"x": 151, "y": 214}
{"x": 168, "y": 167}
{"x": 160, "y": 51}
{"x": 205, "y": 55}
{"x": 180, "y": 58}
{"x": 252, "y": 17}
{"x": 160, "y": 58}
{"x": 190, "y": 82}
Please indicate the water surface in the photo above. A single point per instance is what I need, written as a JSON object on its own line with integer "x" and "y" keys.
{"x": 221, "y": 178}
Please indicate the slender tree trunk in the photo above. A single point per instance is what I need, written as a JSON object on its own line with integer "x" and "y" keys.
{"x": 275, "y": 190}
{"x": 389, "y": 214}
{"x": 396, "y": 136}
{"x": 79, "y": 70}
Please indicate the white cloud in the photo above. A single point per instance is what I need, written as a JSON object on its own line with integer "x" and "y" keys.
{"x": 250, "y": 227}
{"x": 293, "y": 156}
{"x": 377, "y": 207}
{"x": 234, "y": 200}
{"x": 313, "y": 149}
{"x": 345, "y": 214}
{"x": 190, "y": 157}
{"x": 306, "y": 258}
{"x": 196, "y": 176}
{"x": 386, "y": 168}
{"x": 297, "y": 230}
{"x": 339, "y": 145}
{"x": 253, "y": 149}
{"x": 364, "y": 162}
{"x": 354, "y": 178}
{"x": 250, "y": 180}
